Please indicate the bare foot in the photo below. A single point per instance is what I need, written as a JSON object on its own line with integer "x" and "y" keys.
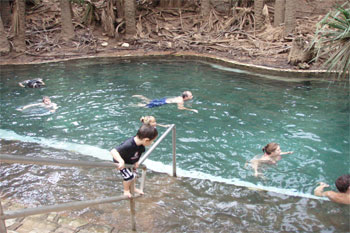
{"x": 139, "y": 191}
{"x": 127, "y": 193}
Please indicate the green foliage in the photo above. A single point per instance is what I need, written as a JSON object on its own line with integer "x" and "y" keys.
{"x": 332, "y": 39}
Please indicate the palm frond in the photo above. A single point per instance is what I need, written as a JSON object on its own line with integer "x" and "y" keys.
{"x": 332, "y": 39}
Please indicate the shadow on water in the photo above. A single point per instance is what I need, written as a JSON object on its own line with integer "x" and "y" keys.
{"x": 170, "y": 204}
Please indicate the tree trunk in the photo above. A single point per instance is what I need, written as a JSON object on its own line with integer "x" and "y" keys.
{"x": 5, "y": 11}
{"x": 130, "y": 22}
{"x": 170, "y": 3}
{"x": 108, "y": 19}
{"x": 279, "y": 12}
{"x": 4, "y": 44}
{"x": 205, "y": 8}
{"x": 289, "y": 17}
{"x": 258, "y": 8}
{"x": 19, "y": 26}
{"x": 67, "y": 31}
{"x": 120, "y": 9}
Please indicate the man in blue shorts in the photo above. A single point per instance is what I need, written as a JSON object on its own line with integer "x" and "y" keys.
{"x": 179, "y": 100}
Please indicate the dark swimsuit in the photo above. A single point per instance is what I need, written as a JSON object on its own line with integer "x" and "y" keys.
{"x": 156, "y": 103}
{"x": 33, "y": 83}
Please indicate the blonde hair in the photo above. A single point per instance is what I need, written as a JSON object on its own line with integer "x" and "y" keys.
{"x": 147, "y": 119}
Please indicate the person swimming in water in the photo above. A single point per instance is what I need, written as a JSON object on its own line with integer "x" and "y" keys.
{"x": 343, "y": 185}
{"x": 179, "y": 100}
{"x": 34, "y": 83}
{"x": 272, "y": 154}
{"x": 45, "y": 104}
{"x": 151, "y": 120}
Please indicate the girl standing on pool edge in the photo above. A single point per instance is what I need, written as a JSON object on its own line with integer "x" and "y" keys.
{"x": 272, "y": 154}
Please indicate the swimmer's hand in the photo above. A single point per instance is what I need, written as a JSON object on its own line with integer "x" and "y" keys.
{"x": 19, "y": 109}
{"x": 194, "y": 110}
{"x": 324, "y": 185}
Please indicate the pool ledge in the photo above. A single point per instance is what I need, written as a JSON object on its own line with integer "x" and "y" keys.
{"x": 49, "y": 58}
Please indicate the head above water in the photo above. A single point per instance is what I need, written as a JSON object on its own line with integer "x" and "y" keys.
{"x": 147, "y": 131}
{"x": 343, "y": 183}
{"x": 270, "y": 148}
{"x": 187, "y": 95}
{"x": 149, "y": 120}
{"x": 46, "y": 100}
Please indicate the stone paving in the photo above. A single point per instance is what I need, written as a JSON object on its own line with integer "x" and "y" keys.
{"x": 52, "y": 223}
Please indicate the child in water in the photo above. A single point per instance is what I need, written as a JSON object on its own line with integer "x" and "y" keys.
{"x": 272, "y": 154}
{"x": 45, "y": 104}
{"x": 151, "y": 120}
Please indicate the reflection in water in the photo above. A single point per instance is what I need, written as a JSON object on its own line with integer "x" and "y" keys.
{"x": 170, "y": 204}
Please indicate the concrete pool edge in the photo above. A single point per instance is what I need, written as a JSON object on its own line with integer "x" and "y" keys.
{"x": 321, "y": 74}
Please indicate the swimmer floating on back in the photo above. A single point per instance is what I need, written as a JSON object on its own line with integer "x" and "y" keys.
{"x": 179, "y": 100}
{"x": 272, "y": 154}
{"x": 34, "y": 83}
{"x": 45, "y": 104}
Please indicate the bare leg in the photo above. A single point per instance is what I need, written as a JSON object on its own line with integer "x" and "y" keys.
{"x": 126, "y": 185}
{"x": 139, "y": 191}
{"x": 142, "y": 98}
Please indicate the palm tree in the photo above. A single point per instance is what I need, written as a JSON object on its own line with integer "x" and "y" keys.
{"x": 67, "y": 31}
{"x": 333, "y": 37}
{"x": 258, "y": 13}
{"x": 4, "y": 44}
{"x": 289, "y": 17}
{"x": 279, "y": 12}
{"x": 129, "y": 13}
{"x": 19, "y": 26}
{"x": 5, "y": 11}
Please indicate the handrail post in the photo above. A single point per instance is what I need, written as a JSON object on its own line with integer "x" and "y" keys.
{"x": 174, "y": 151}
{"x": 143, "y": 178}
{"x": 2, "y": 221}
{"x": 132, "y": 205}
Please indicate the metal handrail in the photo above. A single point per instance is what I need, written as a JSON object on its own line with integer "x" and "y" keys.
{"x": 149, "y": 151}
{"x": 72, "y": 163}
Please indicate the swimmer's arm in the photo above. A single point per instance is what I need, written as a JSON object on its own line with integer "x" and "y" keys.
{"x": 255, "y": 165}
{"x": 165, "y": 126}
{"x": 286, "y": 153}
{"x": 21, "y": 84}
{"x": 29, "y": 106}
{"x": 118, "y": 158}
{"x": 182, "y": 107}
{"x": 333, "y": 196}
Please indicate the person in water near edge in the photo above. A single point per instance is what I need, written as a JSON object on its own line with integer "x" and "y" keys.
{"x": 151, "y": 120}
{"x": 45, "y": 104}
{"x": 272, "y": 154}
{"x": 343, "y": 186}
{"x": 34, "y": 83}
{"x": 179, "y": 100}
{"x": 129, "y": 152}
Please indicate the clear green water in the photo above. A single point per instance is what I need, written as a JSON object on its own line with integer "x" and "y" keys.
{"x": 239, "y": 113}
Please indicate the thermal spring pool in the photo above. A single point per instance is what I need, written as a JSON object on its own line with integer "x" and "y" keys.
{"x": 239, "y": 112}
